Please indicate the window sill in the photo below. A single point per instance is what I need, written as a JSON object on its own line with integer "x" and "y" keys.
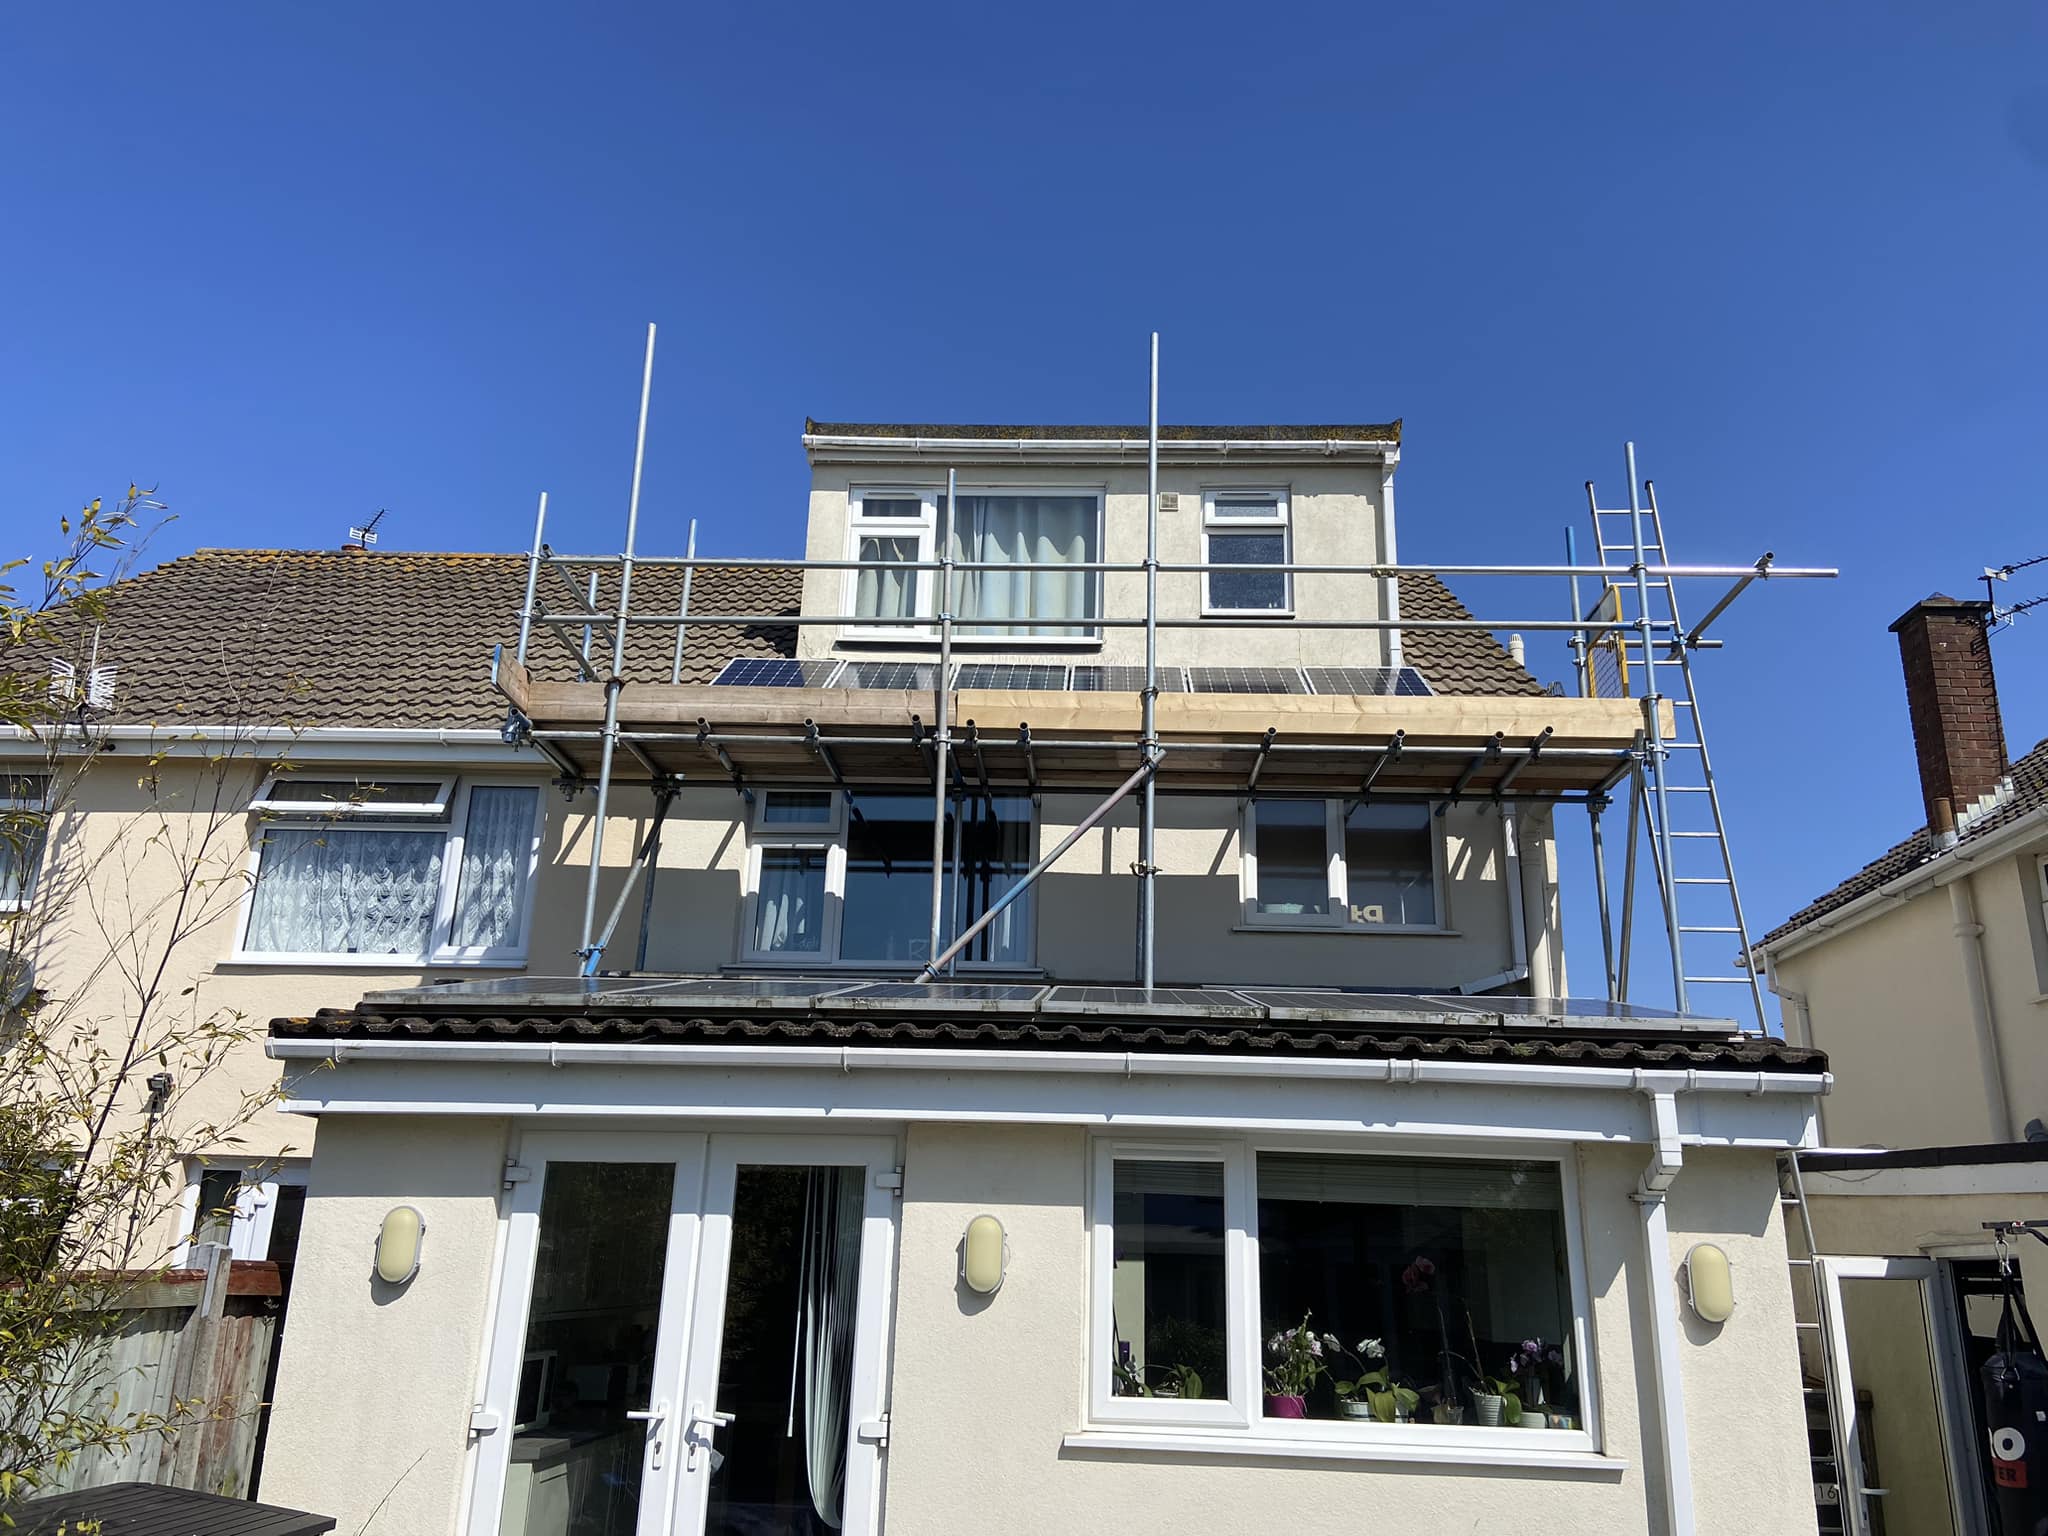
{"x": 929, "y": 639}
{"x": 1310, "y": 1447}
{"x": 1349, "y": 930}
{"x": 856, "y": 970}
{"x": 1248, "y": 613}
{"x": 241, "y": 961}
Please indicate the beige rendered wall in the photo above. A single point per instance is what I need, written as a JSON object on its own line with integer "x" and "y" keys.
{"x": 374, "y": 1387}
{"x": 1888, "y": 1000}
{"x": 982, "y": 1396}
{"x": 1335, "y": 511}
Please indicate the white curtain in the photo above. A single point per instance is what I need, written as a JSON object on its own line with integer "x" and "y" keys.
{"x": 340, "y": 890}
{"x": 497, "y": 847}
{"x": 828, "y": 1296}
{"x": 790, "y": 906}
{"x": 888, "y": 594}
{"x": 1035, "y": 530}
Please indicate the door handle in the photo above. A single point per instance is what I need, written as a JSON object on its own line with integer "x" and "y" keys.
{"x": 703, "y": 1423}
{"x": 654, "y": 1418}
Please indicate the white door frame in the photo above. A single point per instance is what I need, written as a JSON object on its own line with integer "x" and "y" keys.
{"x": 505, "y": 1348}
{"x": 867, "y": 1407}
{"x": 1831, "y": 1271}
{"x": 676, "y": 1475}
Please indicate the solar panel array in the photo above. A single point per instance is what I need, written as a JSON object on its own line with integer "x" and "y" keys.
{"x": 1054, "y": 677}
{"x": 1329, "y": 1008}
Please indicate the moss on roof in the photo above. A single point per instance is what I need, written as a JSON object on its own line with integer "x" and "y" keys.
{"x": 1374, "y": 432}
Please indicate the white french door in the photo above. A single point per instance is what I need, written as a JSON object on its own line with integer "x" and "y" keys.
{"x": 689, "y": 1338}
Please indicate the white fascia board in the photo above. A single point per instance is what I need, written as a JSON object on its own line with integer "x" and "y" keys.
{"x": 878, "y": 1084}
{"x": 1953, "y": 1179}
{"x": 1942, "y": 869}
{"x": 824, "y": 449}
{"x": 326, "y": 743}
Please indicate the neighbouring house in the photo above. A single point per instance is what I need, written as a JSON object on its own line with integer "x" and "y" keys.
{"x": 945, "y": 1084}
{"x": 1924, "y": 976}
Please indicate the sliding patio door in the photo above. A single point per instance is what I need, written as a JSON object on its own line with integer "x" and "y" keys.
{"x": 689, "y": 1339}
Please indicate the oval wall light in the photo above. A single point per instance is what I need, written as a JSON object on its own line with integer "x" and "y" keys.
{"x": 982, "y": 1253}
{"x": 1710, "y": 1283}
{"x": 399, "y": 1241}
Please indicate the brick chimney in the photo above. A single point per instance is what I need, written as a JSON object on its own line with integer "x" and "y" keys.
{"x": 1953, "y": 700}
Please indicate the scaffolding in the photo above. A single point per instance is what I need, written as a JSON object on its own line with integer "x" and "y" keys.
{"x": 606, "y": 728}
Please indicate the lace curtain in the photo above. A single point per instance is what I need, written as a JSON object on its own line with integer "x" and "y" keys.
{"x": 1035, "y": 530}
{"x": 497, "y": 846}
{"x": 341, "y": 890}
{"x": 892, "y": 593}
{"x": 828, "y": 1299}
{"x": 790, "y": 908}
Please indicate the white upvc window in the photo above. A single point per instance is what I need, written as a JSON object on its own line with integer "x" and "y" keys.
{"x": 1241, "y": 526}
{"x": 24, "y": 829}
{"x": 1303, "y": 1292}
{"x": 836, "y": 881}
{"x": 391, "y": 870}
{"x": 995, "y": 526}
{"x": 1359, "y": 866}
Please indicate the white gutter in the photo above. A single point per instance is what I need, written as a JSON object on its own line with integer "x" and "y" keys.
{"x": 186, "y": 740}
{"x": 1944, "y": 867}
{"x": 852, "y": 1058}
{"x": 1667, "y": 1156}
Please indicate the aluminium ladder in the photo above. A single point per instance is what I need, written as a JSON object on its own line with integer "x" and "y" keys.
{"x": 1703, "y": 903}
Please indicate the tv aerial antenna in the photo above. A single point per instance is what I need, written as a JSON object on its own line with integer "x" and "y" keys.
{"x": 367, "y": 534}
{"x": 2001, "y": 615}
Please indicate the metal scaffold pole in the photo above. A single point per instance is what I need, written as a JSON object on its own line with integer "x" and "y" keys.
{"x": 588, "y": 952}
{"x": 942, "y": 737}
{"x": 1148, "y": 805}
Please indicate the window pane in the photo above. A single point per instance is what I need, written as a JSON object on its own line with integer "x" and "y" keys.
{"x": 1025, "y": 530}
{"x": 497, "y": 849}
{"x": 891, "y": 506}
{"x": 21, "y": 850}
{"x": 887, "y": 593}
{"x": 1247, "y": 589}
{"x": 886, "y": 917}
{"x": 789, "y": 911}
{"x": 1443, "y": 1279}
{"x": 589, "y": 1359}
{"x": 1167, "y": 1287}
{"x": 1245, "y": 506}
{"x": 1292, "y": 844}
{"x": 796, "y": 807}
{"x": 346, "y": 891}
{"x": 1389, "y": 866}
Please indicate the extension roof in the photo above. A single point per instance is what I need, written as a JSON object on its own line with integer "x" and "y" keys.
{"x": 2029, "y": 793}
{"x": 347, "y": 638}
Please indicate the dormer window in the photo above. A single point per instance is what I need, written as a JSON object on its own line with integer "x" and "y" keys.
{"x": 1246, "y": 527}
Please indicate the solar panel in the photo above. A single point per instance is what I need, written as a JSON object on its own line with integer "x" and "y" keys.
{"x": 1246, "y": 680}
{"x": 775, "y": 672}
{"x": 704, "y": 992}
{"x": 1192, "y": 1002}
{"x": 558, "y": 989}
{"x": 956, "y": 996}
{"x": 1002, "y": 674}
{"x": 1371, "y": 682}
{"x": 1125, "y": 680}
{"x": 913, "y": 675}
{"x": 1358, "y": 1008}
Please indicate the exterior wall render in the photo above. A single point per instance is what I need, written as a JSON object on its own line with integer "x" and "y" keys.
{"x": 1887, "y": 1000}
{"x": 1335, "y": 516}
{"x": 370, "y": 1422}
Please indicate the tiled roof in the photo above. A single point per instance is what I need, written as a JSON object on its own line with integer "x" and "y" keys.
{"x": 2029, "y": 792}
{"x": 1355, "y": 432}
{"x": 344, "y": 638}
{"x": 341, "y": 638}
{"x": 1456, "y": 661}
{"x": 1165, "y": 1036}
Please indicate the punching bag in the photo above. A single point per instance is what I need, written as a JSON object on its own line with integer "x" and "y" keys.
{"x": 2014, "y": 1382}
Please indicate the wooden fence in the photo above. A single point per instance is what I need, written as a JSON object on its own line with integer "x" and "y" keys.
{"x": 208, "y": 1333}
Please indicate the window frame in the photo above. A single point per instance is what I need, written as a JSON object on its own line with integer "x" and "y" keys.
{"x": 1250, "y": 1428}
{"x": 37, "y": 846}
{"x": 439, "y": 951}
{"x": 273, "y": 798}
{"x": 1336, "y": 810}
{"x": 1215, "y": 522}
{"x": 832, "y": 837}
{"x": 926, "y": 527}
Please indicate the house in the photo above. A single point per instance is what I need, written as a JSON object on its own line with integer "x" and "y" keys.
{"x": 1923, "y": 976}
{"x": 848, "y": 1170}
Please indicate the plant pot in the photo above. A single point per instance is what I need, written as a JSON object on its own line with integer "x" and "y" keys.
{"x": 1486, "y": 1407}
{"x": 1449, "y": 1413}
{"x": 1166, "y": 1390}
{"x": 1403, "y": 1415}
{"x": 1286, "y": 1405}
{"x": 1350, "y": 1409}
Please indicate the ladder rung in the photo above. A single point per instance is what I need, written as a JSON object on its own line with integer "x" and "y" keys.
{"x": 1693, "y": 834}
{"x": 1800, "y": 1263}
{"x": 1687, "y": 789}
{"x": 1797, "y": 1324}
{"x": 1719, "y": 981}
{"x": 1702, "y": 880}
{"x": 1708, "y": 928}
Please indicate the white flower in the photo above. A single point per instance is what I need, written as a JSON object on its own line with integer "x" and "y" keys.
{"x": 1372, "y": 1349}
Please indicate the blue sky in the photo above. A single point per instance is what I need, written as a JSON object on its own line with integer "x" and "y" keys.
{"x": 296, "y": 263}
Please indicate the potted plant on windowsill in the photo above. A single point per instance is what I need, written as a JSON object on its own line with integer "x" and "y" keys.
{"x": 1372, "y": 1392}
{"x": 1497, "y": 1400}
{"x": 1294, "y": 1361}
{"x": 1532, "y": 1366}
